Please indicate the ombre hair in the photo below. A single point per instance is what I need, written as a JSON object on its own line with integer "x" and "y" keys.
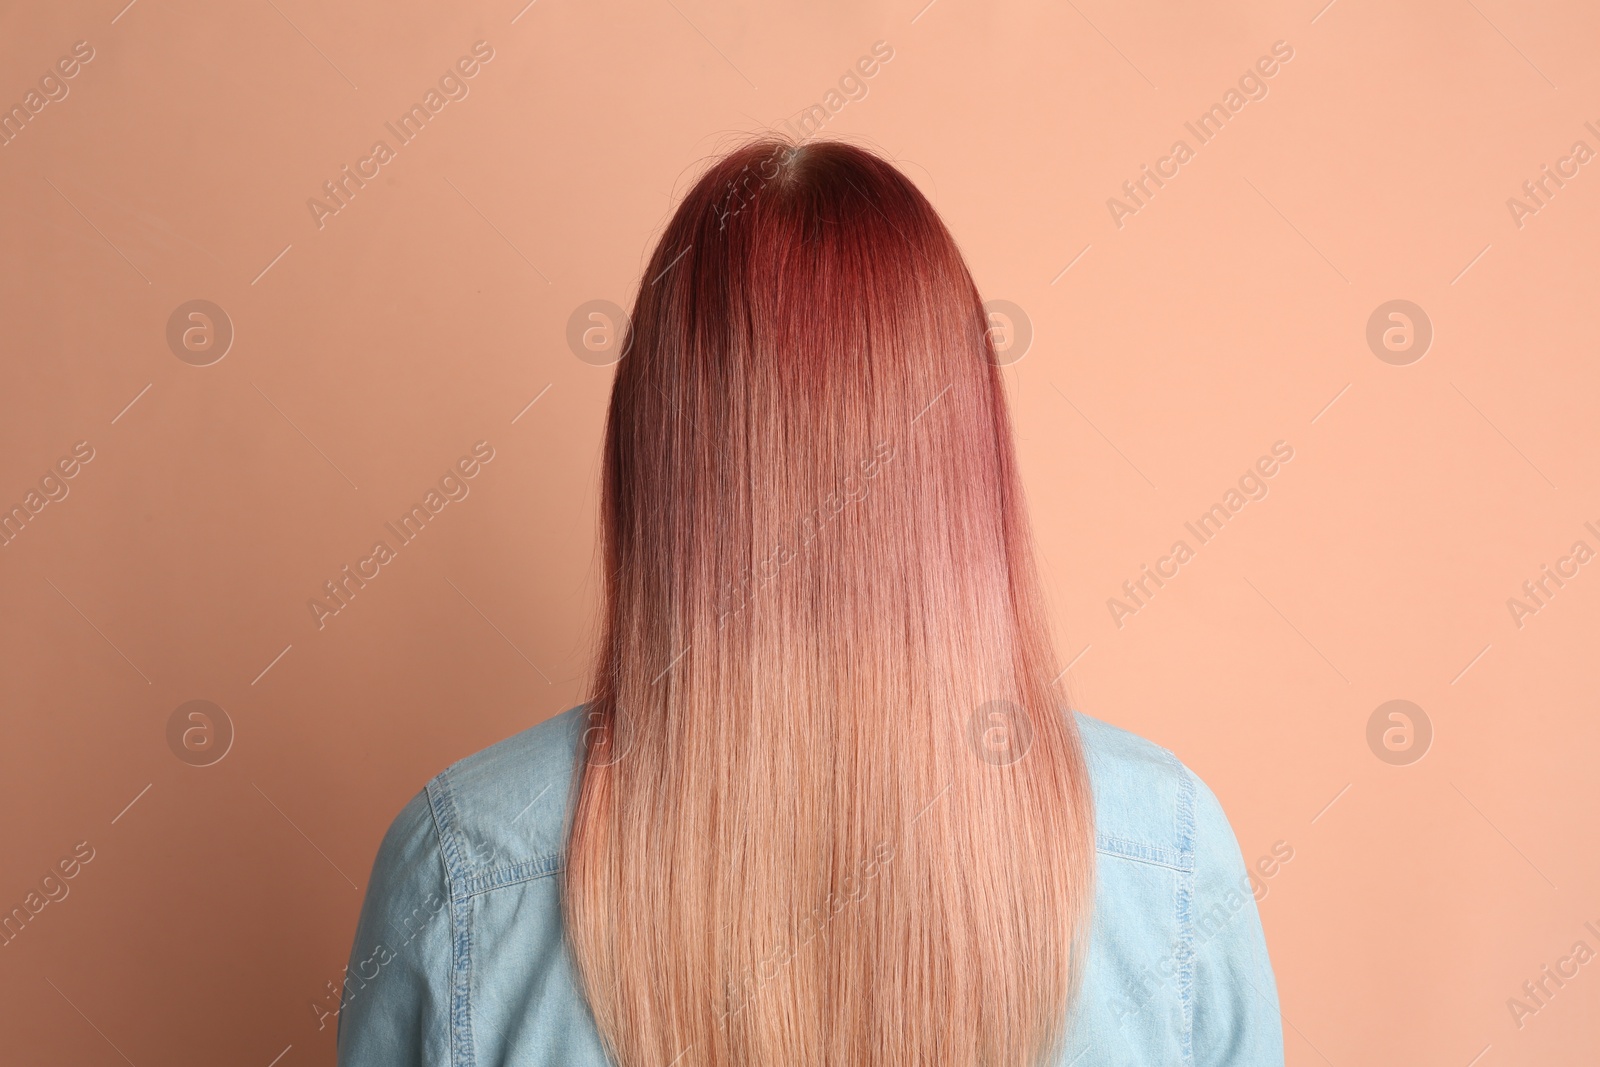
{"x": 832, "y": 808}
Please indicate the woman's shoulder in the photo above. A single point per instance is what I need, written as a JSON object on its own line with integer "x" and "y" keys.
{"x": 1149, "y": 805}
{"x": 1178, "y": 968}
{"x": 466, "y": 867}
{"x": 500, "y": 813}
{"x": 505, "y": 806}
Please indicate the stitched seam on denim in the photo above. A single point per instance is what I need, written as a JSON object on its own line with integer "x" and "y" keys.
{"x": 461, "y": 1052}
{"x": 449, "y": 890}
{"x": 1122, "y": 848}
{"x": 1185, "y": 901}
{"x": 514, "y": 874}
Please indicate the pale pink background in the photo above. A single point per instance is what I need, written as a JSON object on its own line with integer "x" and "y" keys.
{"x": 1227, "y": 314}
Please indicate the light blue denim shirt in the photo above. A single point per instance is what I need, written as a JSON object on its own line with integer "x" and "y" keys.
{"x": 459, "y": 958}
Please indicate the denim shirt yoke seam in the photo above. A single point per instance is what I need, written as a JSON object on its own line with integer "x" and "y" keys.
{"x": 442, "y": 803}
{"x": 529, "y": 870}
{"x": 1185, "y": 905}
{"x": 1143, "y": 852}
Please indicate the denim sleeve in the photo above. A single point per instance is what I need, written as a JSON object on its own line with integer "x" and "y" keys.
{"x": 396, "y": 1004}
{"x": 1236, "y": 1018}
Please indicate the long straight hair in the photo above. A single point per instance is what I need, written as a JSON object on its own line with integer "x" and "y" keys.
{"x": 831, "y": 808}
